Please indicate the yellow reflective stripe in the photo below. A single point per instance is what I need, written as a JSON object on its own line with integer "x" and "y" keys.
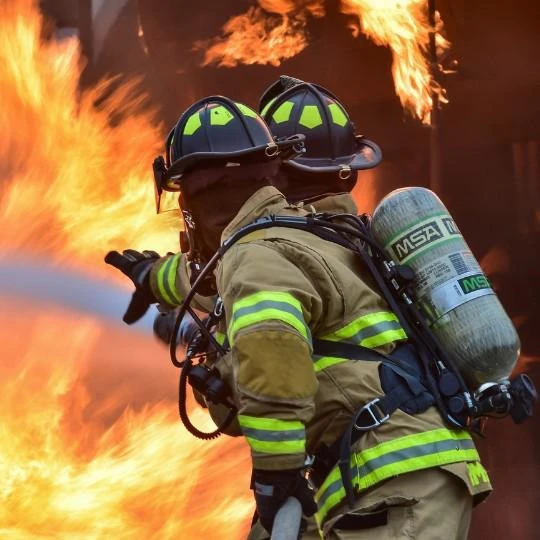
{"x": 171, "y": 278}
{"x": 277, "y": 447}
{"x": 264, "y": 315}
{"x": 160, "y": 283}
{"x": 415, "y": 464}
{"x": 166, "y": 280}
{"x": 264, "y": 306}
{"x": 277, "y": 296}
{"x": 399, "y": 456}
{"x": 359, "y": 324}
{"x": 327, "y": 361}
{"x": 384, "y": 338}
{"x": 272, "y": 424}
{"x": 273, "y": 436}
{"x": 415, "y": 439}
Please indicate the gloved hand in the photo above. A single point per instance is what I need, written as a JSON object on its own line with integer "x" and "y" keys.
{"x": 271, "y": 489}
{"x": 136, "y": 266}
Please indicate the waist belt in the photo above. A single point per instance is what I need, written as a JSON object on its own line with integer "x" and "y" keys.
{"x": 401, "y": 379}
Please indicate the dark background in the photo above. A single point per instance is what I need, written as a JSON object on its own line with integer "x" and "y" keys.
{"x": 489, "y": 137}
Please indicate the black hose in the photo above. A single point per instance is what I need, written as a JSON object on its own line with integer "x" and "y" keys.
{"x": 182, "y": 408}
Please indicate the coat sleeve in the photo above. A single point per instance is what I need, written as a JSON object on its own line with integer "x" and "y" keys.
{"x": 270, "y": 306}
{"x": 170, "y": 283}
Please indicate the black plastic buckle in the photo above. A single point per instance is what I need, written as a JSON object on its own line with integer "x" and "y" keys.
{"x": 376, "y": 414}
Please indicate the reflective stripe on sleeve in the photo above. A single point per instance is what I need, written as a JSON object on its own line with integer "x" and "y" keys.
{"x": 398, "y": 456}
{"x": 166, "y": 281}
{"x": 273, "y": 436}
{"x": 267, "y": 306}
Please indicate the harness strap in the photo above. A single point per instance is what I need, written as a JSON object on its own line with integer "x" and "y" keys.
{"x": 342, "y": 349}
{"x": 369, "y": 416}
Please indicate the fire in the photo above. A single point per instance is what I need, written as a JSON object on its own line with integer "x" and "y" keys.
{"x": 403, "y": 26}
{"x": 276, "y": 30}
{"x": 74, "y": 466}
{"x": 73, "y": 186}
{"x": 82, "y": 454}
{"x": 269, "y": 33}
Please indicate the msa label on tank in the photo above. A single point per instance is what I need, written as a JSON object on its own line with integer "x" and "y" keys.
{"x": 453, "y": 294}
{"x": 440, "y": 270}
{"x": 474, "y": 283}
{"x": 423, "y": 235}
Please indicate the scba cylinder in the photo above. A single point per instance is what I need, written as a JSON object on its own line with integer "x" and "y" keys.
{"x": 462, "y": 309}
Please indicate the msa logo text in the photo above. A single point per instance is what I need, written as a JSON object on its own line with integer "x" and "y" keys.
{"x": 474, "y": 283}
{"x": 425, "y": 234}
{"x": 450, "y": 225}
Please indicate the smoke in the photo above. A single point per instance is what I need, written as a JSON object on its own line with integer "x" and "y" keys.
{"x": 37, "y": 279}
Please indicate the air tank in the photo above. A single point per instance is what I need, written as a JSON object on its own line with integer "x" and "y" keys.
{"x": 450, "y": 287}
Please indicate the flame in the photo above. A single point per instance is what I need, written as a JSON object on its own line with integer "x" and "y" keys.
{"x": 276, "y": 30}
{"x": 403, "y": 26}
{"x": 76, "y": 460}
{"x": 73, "y": 186}
{"x": 70, "y": 471}
{"x": 269, "y": 33}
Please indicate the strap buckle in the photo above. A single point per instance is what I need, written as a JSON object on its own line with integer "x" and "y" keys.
{"x": 271, "y": 150}
{"x": 376, "y": 416}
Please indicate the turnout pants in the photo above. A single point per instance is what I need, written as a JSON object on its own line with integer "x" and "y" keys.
{"x": 431, "y": 504}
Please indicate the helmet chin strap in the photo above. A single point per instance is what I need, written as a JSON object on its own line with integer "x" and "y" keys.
{"x": 192, "y": 246}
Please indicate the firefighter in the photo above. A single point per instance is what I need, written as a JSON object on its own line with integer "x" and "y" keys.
{"x": 288, "y": 296}
{"x": 321, "y": 179}
{"x": 325, "y": 174}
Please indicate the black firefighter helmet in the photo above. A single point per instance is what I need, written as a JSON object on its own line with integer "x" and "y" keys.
{"x": 217, "y": 132}
{"x": 334, "y": 152}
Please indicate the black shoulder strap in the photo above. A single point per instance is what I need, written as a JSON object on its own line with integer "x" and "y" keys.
{"x": 358, "y": 352}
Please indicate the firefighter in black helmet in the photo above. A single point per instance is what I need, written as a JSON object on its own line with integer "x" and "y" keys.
{"x": 217, "y": 146}
{"x": 334, "y": 152}
{"x": 289, "y": 296}
{"x": 324, "y": 176}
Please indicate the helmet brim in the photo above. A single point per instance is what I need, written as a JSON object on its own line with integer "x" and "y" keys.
{"x": 367, "y": 155}
{"x": 284, "y": 149}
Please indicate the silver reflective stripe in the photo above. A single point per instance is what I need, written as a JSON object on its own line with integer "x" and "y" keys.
{"x": 391, "y": 458}
{"x": 268, "y": 304}
{"x": 413, "y": 452}
{"x": 373, "y": 330}
{"x": 274, "y": 436}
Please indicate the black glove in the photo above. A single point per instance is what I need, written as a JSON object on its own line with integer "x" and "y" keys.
{"x": 136, "y": 266}
{"x": 271, "y": 489}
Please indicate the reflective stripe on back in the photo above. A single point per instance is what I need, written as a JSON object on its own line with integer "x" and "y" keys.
{"x": 372, "y": 330}
{"x": 395, "y": 457}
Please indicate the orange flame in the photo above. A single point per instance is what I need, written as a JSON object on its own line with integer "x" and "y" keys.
{"x": 276, "y": 31}
{"x": 67, "y": 473}
{"x": 75, "y": 181}
{"x": 266, "y": 34}
{"x": 73, "y": 185}
{"x": 403, "y": 26}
